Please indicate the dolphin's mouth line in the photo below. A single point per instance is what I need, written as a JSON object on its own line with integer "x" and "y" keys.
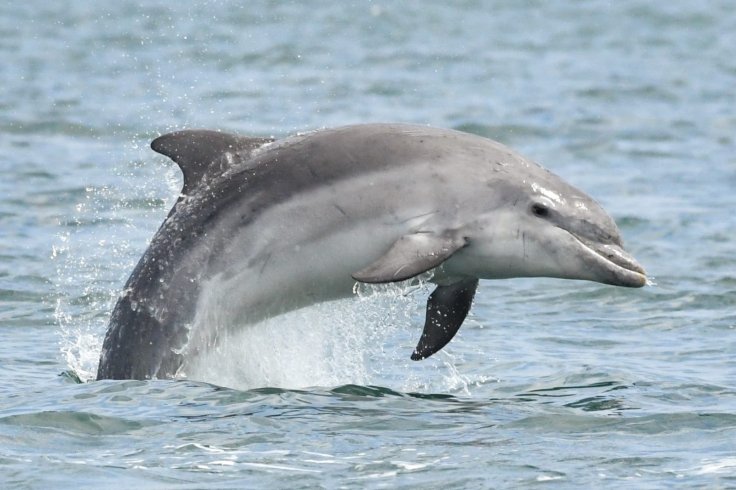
{"x": 618, "y": 261}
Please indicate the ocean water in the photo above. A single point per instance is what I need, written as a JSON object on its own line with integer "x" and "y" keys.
{"x": 550, "y": 383}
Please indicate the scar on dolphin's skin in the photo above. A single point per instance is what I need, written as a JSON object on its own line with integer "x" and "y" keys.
{"x": 341, "y": 210}
{"x": 273, "y": 226}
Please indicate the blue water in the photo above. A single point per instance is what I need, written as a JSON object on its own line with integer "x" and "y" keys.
{"x": 550, "y": 383}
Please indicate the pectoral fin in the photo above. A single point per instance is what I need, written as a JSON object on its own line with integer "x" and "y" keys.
{"x": 411, "y": 255}
{"x": 447, "y": 307}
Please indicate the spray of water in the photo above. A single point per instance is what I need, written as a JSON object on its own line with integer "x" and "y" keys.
{"x": 102, "y": 240}
{"x": 356, "y": 340}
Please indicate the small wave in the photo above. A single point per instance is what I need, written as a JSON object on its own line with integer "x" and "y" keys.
{"x": 74, "y": 422}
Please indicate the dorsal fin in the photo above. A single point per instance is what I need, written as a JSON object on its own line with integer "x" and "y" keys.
{"x": 203, "y": 154}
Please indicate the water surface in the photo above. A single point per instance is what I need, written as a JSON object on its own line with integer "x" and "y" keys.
{"x": 555, "y": 383}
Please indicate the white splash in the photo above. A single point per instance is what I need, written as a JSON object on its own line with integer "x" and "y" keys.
{"x": 103, "y": 241}
{"x": 364, "y": 340}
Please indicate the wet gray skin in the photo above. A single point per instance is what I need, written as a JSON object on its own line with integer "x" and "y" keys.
{"x": 265, "y": 227}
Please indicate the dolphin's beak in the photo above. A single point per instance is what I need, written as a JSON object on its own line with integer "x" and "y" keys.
{"x": 613, "y": 265}
{"x": 627, "y": 270}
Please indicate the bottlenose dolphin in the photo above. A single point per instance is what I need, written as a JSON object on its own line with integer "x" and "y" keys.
{"x": 268, "y": 226}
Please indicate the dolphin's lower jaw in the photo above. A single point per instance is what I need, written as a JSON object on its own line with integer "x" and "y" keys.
{"x": 612, "y": 265}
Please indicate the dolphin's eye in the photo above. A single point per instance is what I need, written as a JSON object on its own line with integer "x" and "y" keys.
{"x": 540, "y": 210}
